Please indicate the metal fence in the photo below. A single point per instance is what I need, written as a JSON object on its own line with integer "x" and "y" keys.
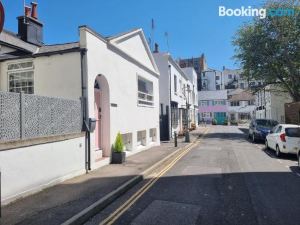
{"x": 24, "y": 116}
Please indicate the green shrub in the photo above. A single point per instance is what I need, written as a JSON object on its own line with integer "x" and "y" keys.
{"x": 214, "y": 122}
{"x": 119, "y": 146}
{"x": 233, "y": 123}
{"x": 225, "y": 122}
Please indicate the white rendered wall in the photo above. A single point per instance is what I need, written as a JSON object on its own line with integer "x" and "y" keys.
{"x": 55, "y": 76}
{"x": 121, "y": 75}
{"x": 28, "y": 170}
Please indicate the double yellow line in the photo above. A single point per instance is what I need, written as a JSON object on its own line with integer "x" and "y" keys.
{"x": 125, "y": 206}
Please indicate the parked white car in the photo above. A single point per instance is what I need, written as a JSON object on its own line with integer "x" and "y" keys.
{"x": 284, "y": 138}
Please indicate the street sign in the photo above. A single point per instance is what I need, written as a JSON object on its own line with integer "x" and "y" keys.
{"x": 2, "y": 16}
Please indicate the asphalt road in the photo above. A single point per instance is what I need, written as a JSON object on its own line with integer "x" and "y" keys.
{"x": 224, "y": 180}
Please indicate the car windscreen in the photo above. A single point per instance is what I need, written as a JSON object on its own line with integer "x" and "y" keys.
{"x": 292, "y": 132}
{"x": 266, "y": 123}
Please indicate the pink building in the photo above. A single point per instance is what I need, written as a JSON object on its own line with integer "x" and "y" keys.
{"x": 213, "y": 105}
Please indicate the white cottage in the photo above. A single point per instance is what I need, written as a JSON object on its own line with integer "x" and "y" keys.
{"x": 112, "y": 80}
{"x": 122, "y": 90}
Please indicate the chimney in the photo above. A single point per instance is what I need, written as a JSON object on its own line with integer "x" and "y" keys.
{"x": 156, "y": 48}
{"x": 27, "y": 11}
{"x": 34, "y": 10}
{"x": 30, "y": 29}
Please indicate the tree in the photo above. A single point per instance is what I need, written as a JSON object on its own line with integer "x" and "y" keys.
{"x": 269, "y": 49}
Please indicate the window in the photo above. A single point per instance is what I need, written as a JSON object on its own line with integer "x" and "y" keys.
{"x": 278, "y": 130}
{"x": 204, "y": 103}
{"x": 219, "y": 102}
{"x": 217, "y": 77}
{"x": 145, "y": 92}
{"x": 206, "y": 115}
{"x": 229, "y": 76}
{"x": 235, "y": 103}
{"x": 20, "y": 77}
{"x": 127, "y": 141}
{"x": 180, "y": 86}
{"x": 218, "y": 87}
{"x": 251, "y": 102}
{"x": 175, "y": 84}
{"x": 152, "y": 134}
{"x": 293, "y": 132}
{"x": 174, "y": 114}
{"x": 141, "y": 138}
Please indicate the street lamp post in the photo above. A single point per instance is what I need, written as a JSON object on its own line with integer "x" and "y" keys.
{"x": 187, "y": 99}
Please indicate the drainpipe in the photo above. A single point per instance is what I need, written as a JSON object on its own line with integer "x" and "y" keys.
{"x": 85, "y": 113}
{"x": 265, "y": 103}
{"x": 170, "y": 93}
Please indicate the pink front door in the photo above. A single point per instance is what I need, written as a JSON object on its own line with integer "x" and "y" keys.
{"x": 98, "y": 119}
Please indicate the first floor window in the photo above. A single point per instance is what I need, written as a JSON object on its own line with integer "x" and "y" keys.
{"x": 145, "y": 92}
{"x": 235, "y": 103}
{"x": 21, "y": 77}
{"x": 206, "y": 114}
{"x": 204, "y": 103}
{"x": 174, "y": 115}
{"x": 175, "y": 84}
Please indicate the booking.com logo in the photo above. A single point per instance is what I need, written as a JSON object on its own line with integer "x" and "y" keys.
{"x": 262, "y": 13}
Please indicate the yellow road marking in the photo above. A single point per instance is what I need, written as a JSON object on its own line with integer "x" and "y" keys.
{"x": 125, "y": 206}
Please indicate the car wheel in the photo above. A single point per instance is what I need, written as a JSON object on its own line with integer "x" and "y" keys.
{"x": 253, "y": 138}
{"x": 266, "y": 143}
{"x": 278, "y": 153}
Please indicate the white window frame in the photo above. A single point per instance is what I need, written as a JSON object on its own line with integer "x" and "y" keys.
{"x": 145, "y": 100}
{"x": 20, "y": 70}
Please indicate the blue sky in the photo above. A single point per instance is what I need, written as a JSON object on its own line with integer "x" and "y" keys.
{"x": 194, "y": 26}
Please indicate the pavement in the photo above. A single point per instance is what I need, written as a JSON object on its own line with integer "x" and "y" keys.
{"x": 57, "y": 204}
{"x": 225, "y": 179}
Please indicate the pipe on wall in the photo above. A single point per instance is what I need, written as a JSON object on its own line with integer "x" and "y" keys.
{"x": 85, "y": 114}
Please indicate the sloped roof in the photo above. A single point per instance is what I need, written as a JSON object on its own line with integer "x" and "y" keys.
{"x": 212, "y": 95}
{"x": 10, "y": 38}
{"x": 243, "y": 96}
{"x": 57, "y": 47}
{"x": 122, "y": 34}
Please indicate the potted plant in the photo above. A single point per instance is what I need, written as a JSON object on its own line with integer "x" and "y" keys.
{"x": 118, "y": 154}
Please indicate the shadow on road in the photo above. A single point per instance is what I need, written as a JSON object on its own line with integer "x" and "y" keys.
{"x": 226, "y": 197}
{"x": 272, "y": 154}
{"x": 295, "y": 169}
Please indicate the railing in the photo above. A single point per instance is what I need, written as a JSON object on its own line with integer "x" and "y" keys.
{"x": 25, "y": 116}
{"x": 145, "y": 99}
